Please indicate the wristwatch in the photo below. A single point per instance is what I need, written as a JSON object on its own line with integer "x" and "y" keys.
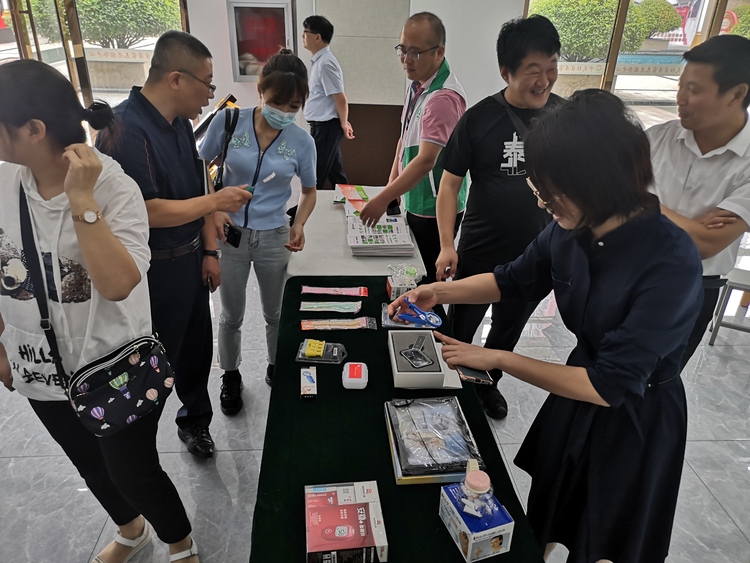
{"x": 89, "y": 216}
{"x": 214, "y": 253}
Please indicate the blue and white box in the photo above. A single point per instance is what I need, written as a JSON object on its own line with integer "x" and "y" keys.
{"x": 476, "y": 537}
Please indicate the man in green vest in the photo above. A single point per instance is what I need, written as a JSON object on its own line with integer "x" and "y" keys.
{"x": 434, "y": 103}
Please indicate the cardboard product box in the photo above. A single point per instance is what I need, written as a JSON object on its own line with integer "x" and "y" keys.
{"x": 344, "y": 523}
{"x": 417, "y": 363}
{"x": 476, "y": 538}
{"x": 396, "y": 290}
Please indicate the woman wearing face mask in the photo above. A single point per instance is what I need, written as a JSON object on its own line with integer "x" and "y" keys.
{"x": 266, "y": 151}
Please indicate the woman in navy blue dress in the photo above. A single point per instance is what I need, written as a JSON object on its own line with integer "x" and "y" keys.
{"x": 605, "y": 451}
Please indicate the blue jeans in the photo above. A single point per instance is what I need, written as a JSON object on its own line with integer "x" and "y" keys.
{"x": 264, "y": 250}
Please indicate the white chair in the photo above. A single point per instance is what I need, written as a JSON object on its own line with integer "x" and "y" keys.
{"x": 737, "y": 279}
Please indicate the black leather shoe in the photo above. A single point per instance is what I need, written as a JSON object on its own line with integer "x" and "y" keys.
{"x": 231, "y": 392}
{"x": 269, "y": 374}
{"x": 494, "y": 404}
{"x": 198, "y": 440}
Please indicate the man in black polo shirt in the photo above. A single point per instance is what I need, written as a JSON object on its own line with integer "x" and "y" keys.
{"x": 157, "y": 149}
{"x": 502, "y": 216}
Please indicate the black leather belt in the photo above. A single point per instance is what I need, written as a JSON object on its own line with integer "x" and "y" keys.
{"x": 316, "y": 123}
{"x": 168, "y": 253}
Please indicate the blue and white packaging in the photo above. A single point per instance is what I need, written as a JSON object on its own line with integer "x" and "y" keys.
{"x": 476, "y": 538}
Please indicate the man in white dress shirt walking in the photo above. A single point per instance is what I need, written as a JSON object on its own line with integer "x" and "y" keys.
{"x": 326, "y": 109}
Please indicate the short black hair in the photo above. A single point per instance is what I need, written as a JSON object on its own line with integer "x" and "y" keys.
{"x": 520, "y": 37}
{"x": 320, "y": 25}
{"x": 730, "y": 57}
{"x": 175, "y": 50}
{"x": 35, "y": 90}
{"x": 438, "y": 29}
{"x": 591, "y": 150}
{"x": 286, "y": 76}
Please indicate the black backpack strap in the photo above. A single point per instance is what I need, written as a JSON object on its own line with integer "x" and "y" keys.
{"x": 231, "y": 116}
{"x": 520, "y": 126}
{"x": 40, "y": 293}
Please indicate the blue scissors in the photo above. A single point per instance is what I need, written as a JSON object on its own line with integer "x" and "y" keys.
{"x": 420, "y": 317}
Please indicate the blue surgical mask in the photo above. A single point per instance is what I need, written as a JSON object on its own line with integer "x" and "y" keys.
{"x": 276, "y": 118}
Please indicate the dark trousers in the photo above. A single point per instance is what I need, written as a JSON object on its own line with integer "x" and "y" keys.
{"x": 122, "y": 471}
{"x": 710, "y": 298}
{"x": 508, "y": 317}
{"x": 427, "y": 236}
{"x": 182, "y": 319}
{"x": 328, "y": 136}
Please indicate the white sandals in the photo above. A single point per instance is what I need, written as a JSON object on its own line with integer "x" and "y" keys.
{"x": 137, "y": 544}
{"x": 185, "y": 554}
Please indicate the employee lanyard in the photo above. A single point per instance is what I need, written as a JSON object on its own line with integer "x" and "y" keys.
{"x": 413, "y": 98}
{"x": 261, "y": 153}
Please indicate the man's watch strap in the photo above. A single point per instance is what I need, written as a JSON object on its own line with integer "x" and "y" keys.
{"x": 214, "y": 253}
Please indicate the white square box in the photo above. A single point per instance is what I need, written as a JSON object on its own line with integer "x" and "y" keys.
{"x": 476, "y": 538}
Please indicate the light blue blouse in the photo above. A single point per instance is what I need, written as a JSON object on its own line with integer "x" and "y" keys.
{"x": 291, "y": 154}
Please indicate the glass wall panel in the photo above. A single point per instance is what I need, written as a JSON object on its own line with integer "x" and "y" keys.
{"x": 585, "y": 29}
{"x": 648, "y": 70}
{"x": 118, "y": 40}
{"x": 737, "y": 18}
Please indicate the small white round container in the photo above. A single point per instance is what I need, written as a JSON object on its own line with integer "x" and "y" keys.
{"x": 354, "y": 375}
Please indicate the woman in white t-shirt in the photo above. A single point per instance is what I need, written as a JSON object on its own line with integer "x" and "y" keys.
{"x": 94, "y": 265}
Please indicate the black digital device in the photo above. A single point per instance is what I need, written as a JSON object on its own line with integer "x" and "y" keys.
{"x": 233, "y": 234}
{"x": 477, "y": 376}
{"x": 393, "y": 208}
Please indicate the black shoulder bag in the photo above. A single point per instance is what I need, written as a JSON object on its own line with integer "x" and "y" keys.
{"x": 118, "y": 388}
{"x": 231, "y": 115}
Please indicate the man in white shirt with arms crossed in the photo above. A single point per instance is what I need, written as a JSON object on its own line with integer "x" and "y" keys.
{"x": 702, "y": 162}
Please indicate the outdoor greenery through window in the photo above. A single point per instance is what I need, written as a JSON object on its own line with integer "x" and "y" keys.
{"x": 120, "y": 24}
{"x": 656, "y": 34}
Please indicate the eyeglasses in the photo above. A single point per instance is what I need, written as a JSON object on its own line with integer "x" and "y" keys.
{"x": 539, "y": 197}
{"x": 401, "y": 51}
{"x": 211, "y": 87}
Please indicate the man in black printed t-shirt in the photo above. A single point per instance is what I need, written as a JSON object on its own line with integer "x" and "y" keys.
{"x": 502, "y": 216}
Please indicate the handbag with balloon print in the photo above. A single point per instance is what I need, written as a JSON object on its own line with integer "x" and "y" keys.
{"x": 121, "y": 387}
{"x": 117, "y": 389}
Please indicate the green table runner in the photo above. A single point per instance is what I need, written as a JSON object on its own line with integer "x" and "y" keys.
{"x": 341, "y": 437}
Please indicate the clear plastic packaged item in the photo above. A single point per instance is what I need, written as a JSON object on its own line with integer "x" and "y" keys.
{"x": 360, "y": 291}
{"x": 431, "y": 435}
{"x": 403, "y": 278}
{"x": 321, "y": 352}
{"x": 405, "y": 274}
{"x": 340, "y": 324}
{"x": 388, "y": 322}
{"x": 331, "y": 306}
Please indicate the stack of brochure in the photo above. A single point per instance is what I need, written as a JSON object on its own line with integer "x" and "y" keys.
{"x": 389, "y": 237}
